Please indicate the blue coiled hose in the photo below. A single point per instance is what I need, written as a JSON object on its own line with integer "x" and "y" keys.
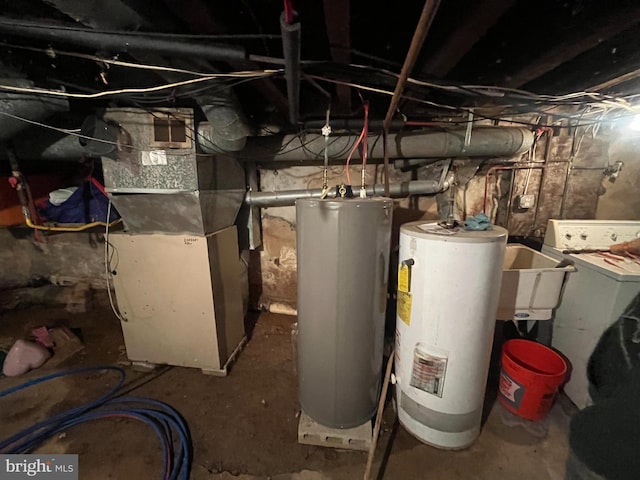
{"x": 170, "y": 428}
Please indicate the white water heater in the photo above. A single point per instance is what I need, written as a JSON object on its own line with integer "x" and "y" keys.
{"x": 448, "y": 289}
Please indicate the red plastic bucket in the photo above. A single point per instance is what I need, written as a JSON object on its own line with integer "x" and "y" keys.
{"x": 530, "y": 376}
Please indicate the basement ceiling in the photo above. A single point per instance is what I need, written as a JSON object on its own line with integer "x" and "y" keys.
{"x": 349, "y": 50}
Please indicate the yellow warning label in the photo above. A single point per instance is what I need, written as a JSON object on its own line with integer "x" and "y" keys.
{"x": 404, "y": 307}
{"x": 404, "y": 273}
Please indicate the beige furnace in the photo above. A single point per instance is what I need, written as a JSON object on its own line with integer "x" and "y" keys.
{"x": 180, "y": 297}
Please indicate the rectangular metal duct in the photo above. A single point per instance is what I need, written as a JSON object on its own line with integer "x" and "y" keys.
{"x": 160, "y": 184}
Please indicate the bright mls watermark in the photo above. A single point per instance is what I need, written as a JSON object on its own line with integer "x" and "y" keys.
{"x": 50, "y": 467}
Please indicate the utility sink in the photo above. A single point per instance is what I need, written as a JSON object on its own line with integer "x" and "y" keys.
{"x": 531, "y": 284}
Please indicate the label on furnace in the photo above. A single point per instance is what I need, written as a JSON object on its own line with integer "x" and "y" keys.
{"x": 428, "y": 372}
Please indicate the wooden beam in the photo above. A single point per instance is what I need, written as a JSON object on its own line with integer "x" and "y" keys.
{"x": 481, "y": 17}
{"x": 337, "y": 14}
{"x": 419, "y": 35}
{"x": 604, "y": 29}
{"x": 196, "y": 14}
{"x": 632, "y": 75}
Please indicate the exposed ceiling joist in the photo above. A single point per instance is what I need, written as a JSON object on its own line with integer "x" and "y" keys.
{"x": 476, "y": 23}
{"x": 197, "y": 14}
{"x": 419, "y": 35}
{"x": 337, "y": 15}
{"x": 604, "y": 29}
{"x": 627, "y": 77}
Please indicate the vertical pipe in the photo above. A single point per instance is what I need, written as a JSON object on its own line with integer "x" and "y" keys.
{"x": 291, "y": 48}
{"x": 424, "y": 23}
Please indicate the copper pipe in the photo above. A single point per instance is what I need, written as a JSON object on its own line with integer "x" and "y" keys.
{"x": 424, "y": 23}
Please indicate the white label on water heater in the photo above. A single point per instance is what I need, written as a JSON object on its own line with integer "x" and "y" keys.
{"x": 428, "y": 372}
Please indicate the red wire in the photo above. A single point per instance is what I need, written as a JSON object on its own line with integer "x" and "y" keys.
{"x": 365, "y": 150}
{"x": 98, "y": 185}
{"x": 353, "y": 149}
{"x": 361, "y": 139}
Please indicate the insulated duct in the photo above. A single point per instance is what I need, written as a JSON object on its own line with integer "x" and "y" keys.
{"x": 228, "y": 129}
{"x": 30, "y": 107}
{"x": 229, "y": 135}
{"x": 484, "y": 142}
{"x": 396, "y": 190}
{"x": 121, "y": 41}
{"x": 291, "y": 49}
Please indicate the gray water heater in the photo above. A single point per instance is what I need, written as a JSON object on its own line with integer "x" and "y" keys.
{"x": 343, "y": 263}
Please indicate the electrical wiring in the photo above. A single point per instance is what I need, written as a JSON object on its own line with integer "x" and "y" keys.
{"x": 511, "y": 101}
{"x": 520, "y": 100}
{"x": 501, "y": 168}
{"x": 454, "y": 108}
{"x": 353, "y": 149}
{"x": 496, "y": 91}
{"x": 315, "y": 155}
{"x": 108, "y": 93}
{"x": 72, "y": 132}
{"x": 166, "y": 422}
{"x": 365, "y": 151}
{"x": 107, "y": 268}
{"x": 283, "y": 149}
{"x": 53, "y": 52}
{"x": 188, "y": 94}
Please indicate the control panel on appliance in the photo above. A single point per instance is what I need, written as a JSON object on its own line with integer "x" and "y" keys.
{"x": 589, "y": 234}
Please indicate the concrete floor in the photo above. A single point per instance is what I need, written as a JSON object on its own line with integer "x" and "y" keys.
{"x": 244, "y": 426}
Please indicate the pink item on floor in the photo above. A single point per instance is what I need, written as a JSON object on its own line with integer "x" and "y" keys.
{"x": 41, "y": 335}
{"x": 24, "y": 356}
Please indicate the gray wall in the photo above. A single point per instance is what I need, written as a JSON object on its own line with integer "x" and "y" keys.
{"x": 67, "y": 255}
{"x": 621, "y": 201}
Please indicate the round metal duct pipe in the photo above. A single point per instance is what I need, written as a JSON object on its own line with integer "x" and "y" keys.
{"x": 484, "y": 142}
{"x": 121, "y": 41}
{"x": 31, "y": 107}
{"x": 396, "y": 190}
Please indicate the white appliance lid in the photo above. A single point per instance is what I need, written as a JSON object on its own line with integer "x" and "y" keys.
{"x": 623, "y": 270}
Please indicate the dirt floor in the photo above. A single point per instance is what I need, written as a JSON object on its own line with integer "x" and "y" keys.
{"x": 244, "y": 426}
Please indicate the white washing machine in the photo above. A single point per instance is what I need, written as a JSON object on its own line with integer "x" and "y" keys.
{"x": 595, "y": 295}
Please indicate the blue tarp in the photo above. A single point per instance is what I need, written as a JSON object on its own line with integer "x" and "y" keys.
{"x": 87, "y": 204}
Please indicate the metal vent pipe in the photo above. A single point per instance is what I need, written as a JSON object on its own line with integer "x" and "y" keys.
{"x": 30, "y": 107}
{"x": 484, "y": 142}
{"x": 121, "y": 41}
{"x": 396, "y": 190}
